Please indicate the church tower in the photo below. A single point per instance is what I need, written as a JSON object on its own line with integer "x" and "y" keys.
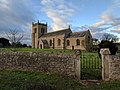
{"x": 38, "y": 29}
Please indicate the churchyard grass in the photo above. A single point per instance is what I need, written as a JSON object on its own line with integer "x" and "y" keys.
{"x": 24, "y": 80}
{"x": 56, "y": 51}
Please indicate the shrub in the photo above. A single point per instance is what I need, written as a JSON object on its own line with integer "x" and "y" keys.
{"x": 108, "y": 44}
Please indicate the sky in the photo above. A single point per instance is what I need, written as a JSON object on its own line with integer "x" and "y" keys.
{"x": 99, "y": 16}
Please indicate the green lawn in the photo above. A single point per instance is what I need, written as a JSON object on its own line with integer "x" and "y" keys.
{"x": 22, "y": 80}
{"x": 39, "y": 50}
{"x": 47, "y": 51}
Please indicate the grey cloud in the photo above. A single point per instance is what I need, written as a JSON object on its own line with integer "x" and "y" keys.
{"x": 108, "y": 19}
{"x": 98, "y": 35}
{"x": 107, "y": 23}
{"x": 116, "y": 21}
{"x": 17, "y": 14}
{"x": 93, "y": 29}
{"x": 97, "y": 32}
{"x": 116, "y": 31}
{"x": 59, "y": 12}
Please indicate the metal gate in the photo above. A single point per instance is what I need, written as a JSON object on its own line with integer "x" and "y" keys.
{"x": 91, "y": 67}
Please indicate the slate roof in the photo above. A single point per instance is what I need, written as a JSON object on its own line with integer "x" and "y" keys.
{"x": 44, "y": 41}
{"x": 60, "y": 32}
{"x": 78, "y": 34}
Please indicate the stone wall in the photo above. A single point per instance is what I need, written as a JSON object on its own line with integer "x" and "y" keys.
{"x": 42, "y": 62}
{"x": 110, "y": 65}
{"x": 114, "y": 64}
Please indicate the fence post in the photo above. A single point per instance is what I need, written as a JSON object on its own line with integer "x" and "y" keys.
{"x": 105, "y": 63}
{"x": 77, "y": 64}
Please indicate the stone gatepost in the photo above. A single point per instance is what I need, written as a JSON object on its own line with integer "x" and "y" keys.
{"x": 77, "y": 64}
{"x": 105, "y": 63}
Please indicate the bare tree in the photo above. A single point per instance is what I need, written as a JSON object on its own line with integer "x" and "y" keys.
{"x": 14, "y": 37}
{"x": 96, "y": 41}
{"x": 110, "y": 37}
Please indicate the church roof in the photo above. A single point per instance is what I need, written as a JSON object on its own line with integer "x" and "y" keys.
{"x": 60, "y": 32}
{"x": 78, "y": 34}
{"x": 44, "y": 41}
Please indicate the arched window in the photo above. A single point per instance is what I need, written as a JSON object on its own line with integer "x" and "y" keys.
{"x": 50, "y": 42}
{"x": 88, "y": 39}
{"x": 77, "y": 42}
{"x": 59, "y": 42}
{"x": 68, "y": 43}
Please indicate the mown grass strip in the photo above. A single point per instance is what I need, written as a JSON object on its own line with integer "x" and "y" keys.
{"x": 24, "y": 80}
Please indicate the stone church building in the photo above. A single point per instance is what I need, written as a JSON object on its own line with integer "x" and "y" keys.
{"x": 61, "y": 39}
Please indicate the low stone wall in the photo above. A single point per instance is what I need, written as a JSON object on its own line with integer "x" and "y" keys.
{"x": 114, "y": 67}
{"x": 42, "y": 62}
{"x": 110, "y": 65}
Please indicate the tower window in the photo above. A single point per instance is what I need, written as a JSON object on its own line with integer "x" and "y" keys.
{"x": 68, "y": 43}
{"x": 42, "y": 30}
{"x": 59, "y": 42}
{"x": 35, "y": 30}
{"x": 77, "y": 42}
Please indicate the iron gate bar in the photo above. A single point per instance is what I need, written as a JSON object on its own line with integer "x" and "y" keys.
{"x": 90, "y": 65}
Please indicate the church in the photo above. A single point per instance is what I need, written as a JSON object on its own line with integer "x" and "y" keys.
{"x": 60, "y": 39}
